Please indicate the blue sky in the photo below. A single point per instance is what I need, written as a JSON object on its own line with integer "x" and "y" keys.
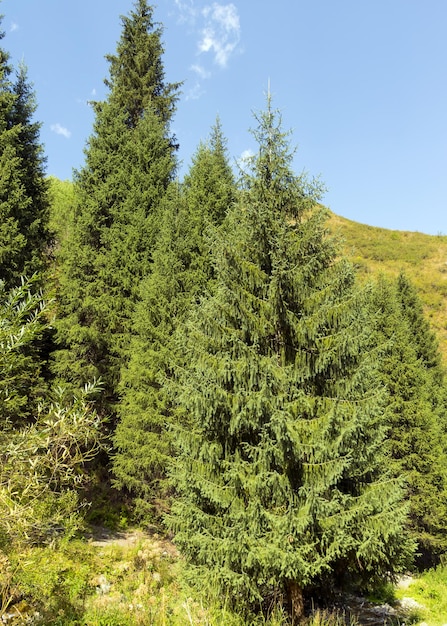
{"x": 361, "y": 83}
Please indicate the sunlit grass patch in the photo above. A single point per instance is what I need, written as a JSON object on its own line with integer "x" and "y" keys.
{"x": 430, "y": 591}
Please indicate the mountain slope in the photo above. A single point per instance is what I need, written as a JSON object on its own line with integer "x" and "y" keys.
{"x": 423, "y": 258}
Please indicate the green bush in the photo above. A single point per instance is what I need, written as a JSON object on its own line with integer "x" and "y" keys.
{"x": 43, "y": 468}
{"x": 43, "y": 452}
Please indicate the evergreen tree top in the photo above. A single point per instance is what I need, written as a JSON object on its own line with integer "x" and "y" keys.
{"x": 269, "y": 174}
{"x": 137, "y": 78}
{"x": 424, "y": 339}
{"x": 209, "y": 185}
{"x": 24, "y": 204}
{"x": 5, "y": 70}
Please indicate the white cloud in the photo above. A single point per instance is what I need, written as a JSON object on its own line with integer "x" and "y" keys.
{"x": 244, "y": 160}
{"x": 247, "y": 155}
{"x": 221, "y": 33}
{"x": 195, "y": 92}
{"x": 60, "y": 130}
{"x": 14, "y": 27}
{"x": 217, "y": 29}
{"x": 200, "y": 71}
{"x": 187, "y": 10}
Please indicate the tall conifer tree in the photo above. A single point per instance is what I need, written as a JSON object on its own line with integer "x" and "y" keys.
{"x": 423, "y": 338}
{"x": 130, "y": 161}
{"x": 181, "y": 273}
{"x": 24, "y": 232}
{"x": 24, "y": 202}
{"x": 33, "y": 163}
{"x": 209, "y": 185}
{"x": 279, "y": 471}
{"x": 416, "y": 435}
{"x": 12, "y": 241}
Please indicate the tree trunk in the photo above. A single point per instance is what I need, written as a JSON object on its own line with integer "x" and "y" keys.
{"x": 296, "y": 601}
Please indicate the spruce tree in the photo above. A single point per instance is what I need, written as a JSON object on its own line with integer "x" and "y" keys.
{"x": 423, "y": 337}
{"x": 24, "y": 202}
{"x": 12, "y": 196}
{"x": 33, "y": 174}
{"x": 279, "y": 470}
{"x": 209, "y": 185}
{"x": 136, "y": 73}
{"x": 416, "y": 439}
{"x": 24, "y": 232}
{"x": 181, "y": 272}
{"x": 130, "y": 162}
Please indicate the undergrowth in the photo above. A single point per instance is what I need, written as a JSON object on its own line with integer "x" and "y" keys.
{"x": 142, "y": 582}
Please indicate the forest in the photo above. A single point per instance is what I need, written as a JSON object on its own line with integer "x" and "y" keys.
{"x": 201, "y": 366}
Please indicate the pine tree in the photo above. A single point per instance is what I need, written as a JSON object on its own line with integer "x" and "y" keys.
{"x": 416, "y": 439}
{"x": 181, "y": 272}
{"x": 137, "y": 79}
{"x": 12, "y": 196}
{"x": 424, "y": 339}
{"x": 24, "y": 203}
{"x": 24, "y": 232}
{"x": 33, "y": 175}
{"x": 129, "y": 165}
{"x": 209, "y": 185}
{"x": 279, "y": 470}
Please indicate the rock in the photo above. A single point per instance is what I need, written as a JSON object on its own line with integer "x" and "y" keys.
{"x": 403, "y": 582}
{"x": 103, "y": 586}
{"x": 20, "y": 613}
{"x": 410, "y": 604}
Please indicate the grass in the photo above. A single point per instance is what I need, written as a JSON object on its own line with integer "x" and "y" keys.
{"x": 136, "y": 584}
{"x": 430, "y": 591}
{"x": 143, "y": 583}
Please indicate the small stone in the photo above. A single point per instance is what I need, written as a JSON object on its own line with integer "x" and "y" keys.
{"x": 410, "y": 604}
{"x": 404, "y": 582}
{"x": 103, "y": 585}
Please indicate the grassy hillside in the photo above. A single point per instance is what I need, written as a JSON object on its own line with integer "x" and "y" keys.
{"x": 423, "y": 258}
